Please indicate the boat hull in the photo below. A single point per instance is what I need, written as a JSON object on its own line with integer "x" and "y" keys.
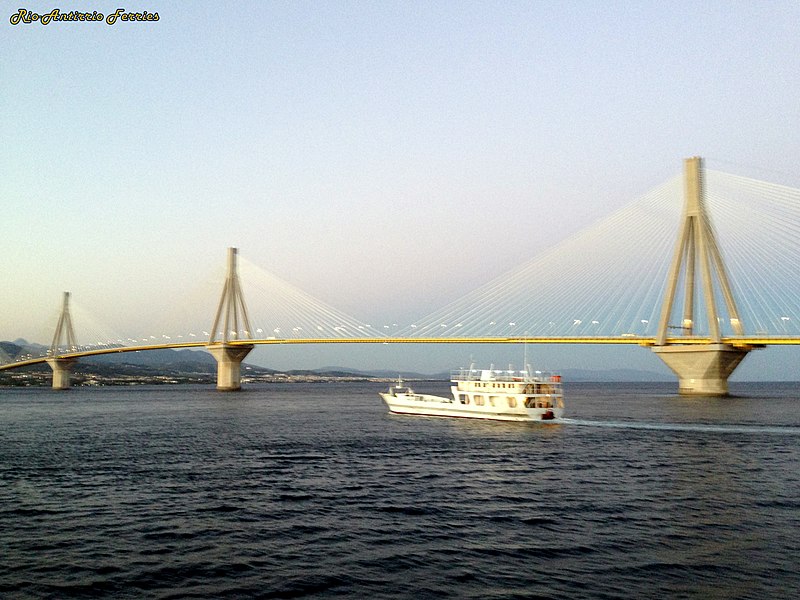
{"x": 436, "y": 406}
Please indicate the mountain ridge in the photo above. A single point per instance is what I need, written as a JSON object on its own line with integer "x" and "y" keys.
{"x": 190, "y": 361}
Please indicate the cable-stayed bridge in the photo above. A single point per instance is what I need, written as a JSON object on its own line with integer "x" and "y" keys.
{"x": 658, "y": 273}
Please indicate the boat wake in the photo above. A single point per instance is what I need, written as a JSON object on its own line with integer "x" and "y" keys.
{"x": 692, "y": 427}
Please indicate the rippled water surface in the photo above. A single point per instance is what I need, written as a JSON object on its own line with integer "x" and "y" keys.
{"x": 315, "y": 491}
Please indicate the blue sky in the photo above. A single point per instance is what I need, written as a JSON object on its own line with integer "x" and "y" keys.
{"x": 358, "y": 148}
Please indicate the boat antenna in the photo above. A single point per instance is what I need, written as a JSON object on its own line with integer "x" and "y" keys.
{"x": 525, "y": 351}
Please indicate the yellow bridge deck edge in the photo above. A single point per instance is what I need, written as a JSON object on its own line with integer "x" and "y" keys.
{"x": 740, "y": 342}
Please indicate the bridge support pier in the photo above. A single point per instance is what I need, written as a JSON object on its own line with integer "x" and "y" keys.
{"x": 61, "y": 372}
{"x": 229, "y": 364}
{"x": 702, "y": 370}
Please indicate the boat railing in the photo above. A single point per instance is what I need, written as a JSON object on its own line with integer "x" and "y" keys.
{"x": 504, "y": 376}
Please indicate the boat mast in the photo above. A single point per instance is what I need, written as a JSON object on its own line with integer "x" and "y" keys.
{"x": 525, "y": 364}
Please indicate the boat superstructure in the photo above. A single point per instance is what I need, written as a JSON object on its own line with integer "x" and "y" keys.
{"x": 503, "y": 395}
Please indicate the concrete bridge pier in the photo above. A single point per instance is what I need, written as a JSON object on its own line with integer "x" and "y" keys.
{"x": 229, "y": 364}
{"x": 702, "y": 370}
{"x": 62, "y": 368}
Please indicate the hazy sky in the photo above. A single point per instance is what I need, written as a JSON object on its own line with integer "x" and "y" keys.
{"x": 386, "y": 157}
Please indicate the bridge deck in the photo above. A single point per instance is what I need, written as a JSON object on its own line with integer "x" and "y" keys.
{"x": 742, "y": 342}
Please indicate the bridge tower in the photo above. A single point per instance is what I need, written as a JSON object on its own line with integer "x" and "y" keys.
{"x": 702, "y": 369}
{"x": 231, "y": 313}
{"x": 62, "y": 366}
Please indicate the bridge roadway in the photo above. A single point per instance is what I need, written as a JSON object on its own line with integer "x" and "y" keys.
{"x": 738, "y": 342}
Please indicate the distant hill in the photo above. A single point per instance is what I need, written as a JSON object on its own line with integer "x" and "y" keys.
{"x": 8, "y": 349}
{"x": 156, "y": 358}
{"x": 578, "y": 375}
{"x": 149, "y": 363}
{"x": 20, "y": 347}
{"x": 187, "y": 361}
{"x": 387, "y": 374}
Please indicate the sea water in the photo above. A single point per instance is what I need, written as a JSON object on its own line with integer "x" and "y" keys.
{"x": 315, "y": 491}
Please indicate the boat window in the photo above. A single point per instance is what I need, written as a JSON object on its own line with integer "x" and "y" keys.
{"x": 493, "y": 399}
{"x": 512, "y": 402}
{"x": 479, "y": 400}
{"x": 463, "y": 398}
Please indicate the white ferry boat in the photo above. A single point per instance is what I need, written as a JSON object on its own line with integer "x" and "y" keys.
{"x": 486, "y": 394}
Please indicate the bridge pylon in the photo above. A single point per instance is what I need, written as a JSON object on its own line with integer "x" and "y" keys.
{"x": 64, "y": 332}
{"x": 702, "y": 370}
{"x": 231, "y": 314}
